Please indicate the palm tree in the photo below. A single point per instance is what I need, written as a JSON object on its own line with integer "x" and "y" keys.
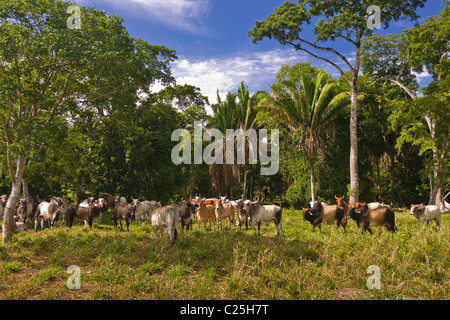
{"x": 237, "y": 111}
{"x": 308, "y": 110}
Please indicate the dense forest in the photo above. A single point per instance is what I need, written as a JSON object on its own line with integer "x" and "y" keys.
{"x": 79, "y": 117}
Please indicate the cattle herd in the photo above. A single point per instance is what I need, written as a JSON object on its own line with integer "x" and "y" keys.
{"x": 41, "y": 213}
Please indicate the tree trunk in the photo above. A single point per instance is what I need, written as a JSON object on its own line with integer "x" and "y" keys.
{"x": 392, "y": 174}
{"x": 313, "y": 189}
{"x": 8, "y": 219}
{"x": 244, "y": 189}
{"x": 26, "y": 193}
{"x": 379, "y": 180}
{"x": 354, "y": 181}
{"x": 436, "y": 185}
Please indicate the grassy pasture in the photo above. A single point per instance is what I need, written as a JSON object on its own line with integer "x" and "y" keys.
{"x": 229, "y": 264}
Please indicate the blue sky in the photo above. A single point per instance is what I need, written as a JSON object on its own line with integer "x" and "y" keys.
{"x": 211, "y": 42}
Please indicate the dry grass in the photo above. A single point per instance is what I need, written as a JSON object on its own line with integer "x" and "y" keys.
{"x": 229, "y": 264}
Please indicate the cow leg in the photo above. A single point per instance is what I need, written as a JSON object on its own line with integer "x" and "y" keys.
{"x": 121, "y": 227}
{"x": 128, "y": 225}
{"x": 343, "y": 226}
{"x": 259, "y": 228}
{"x": 170, "y": 235}
{"x": 317, "y": 223}
{"x": 278, "y": 227}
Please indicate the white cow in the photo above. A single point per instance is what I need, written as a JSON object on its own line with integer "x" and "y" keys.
{"x": 120, "y": 201}
{"x": 266, "y": 213}
{"x": 144, "y": 209}
{"x": 166, "y": 218}
{"x": 426, "y": 213}
{"x": 375, "y": 205}
{"x": 48, "y": 211}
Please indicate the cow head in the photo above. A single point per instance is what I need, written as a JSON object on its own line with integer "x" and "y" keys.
{"x": 340, "y": 201}
{"x": 309, "y": 214}
{"x": 355, "y": 212}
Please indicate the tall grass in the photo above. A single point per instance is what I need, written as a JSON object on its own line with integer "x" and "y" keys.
{"x": 229, "y": 264}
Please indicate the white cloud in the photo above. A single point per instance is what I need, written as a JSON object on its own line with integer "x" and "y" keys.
{"x": 257, "y": 70}
{"x": 188, "y": 15}
{"x": 423, "y": 76}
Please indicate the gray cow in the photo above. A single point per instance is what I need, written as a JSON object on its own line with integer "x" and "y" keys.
{"x": 267, "y": 213}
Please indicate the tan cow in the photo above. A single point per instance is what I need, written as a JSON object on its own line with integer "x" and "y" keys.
{"x": 205, "y": 213}
{"x": 224, "y": 211}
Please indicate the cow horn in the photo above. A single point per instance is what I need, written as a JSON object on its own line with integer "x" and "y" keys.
{"x": 335, "y": 197}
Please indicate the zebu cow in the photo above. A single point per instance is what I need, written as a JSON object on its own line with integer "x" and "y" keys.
{"x": 186, "y": 210}
{"x": 324, "y": 214}
{"x": 375, "y": 205}
{"x": 224, "y": 211}
{"x": 366, "y": 219}
{"x": 242, "y": 214}
{"x": 312, "y": 203}
{"x": 205, "y": 213}
{"x": 153, "y": 206}
{"x": 25, "y": 210}
{"x": 47, "y": 212}
{"x": 266, "y": 213}
{"x": 110, "y": 200}
{"x": 166, "y": 218}
{"x": 100, "y": 204}
{"x": 341, "y": 202}
{"x": 356, "y": 205}
{"x": 88, "y": 213}
{"x": 142, "y": 209}
{"x": 426, "y": 213}
{"x": 121, "y": 212}
{"x": 120, "y": 201}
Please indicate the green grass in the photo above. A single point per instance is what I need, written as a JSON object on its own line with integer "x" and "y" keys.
{"x": 229, "y": 264}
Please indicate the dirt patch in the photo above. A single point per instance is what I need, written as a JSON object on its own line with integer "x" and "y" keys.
{"x": 348, "y": 294}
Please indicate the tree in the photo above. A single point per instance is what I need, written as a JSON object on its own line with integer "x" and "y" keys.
{"x": 49, "y": 70}
{"x": 339, "y": 20}
{"x": 424, "y": 120}
{"x": 237, "y": 112}
{"x": 308, "y": 111}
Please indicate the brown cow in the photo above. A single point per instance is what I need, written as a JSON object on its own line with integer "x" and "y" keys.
{"x": 205, "y": 213}
{"x": 79, "y": 213}
{"x": 341, "y": 202}
{"x": 121, "y": 212}
{"x": 365, "y": 218}
{"x": 324, "y": 214}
